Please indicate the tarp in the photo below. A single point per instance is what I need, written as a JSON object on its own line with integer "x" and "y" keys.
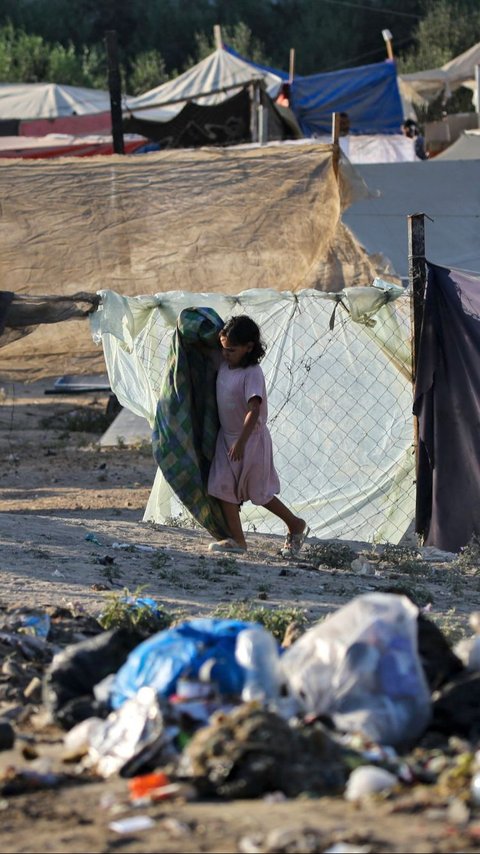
{"x": 49, "y": 100}
{"x": 422, "y": 87}
{"x": 340, "y": 399}
{"x": 376, "y": 148}
{"x": 447, "y": 191}
{"x": 368, "y": 93}
{"x": 64, "y": 145}
{"x": 447, "y": 404}
{"x": 220, "y": 220}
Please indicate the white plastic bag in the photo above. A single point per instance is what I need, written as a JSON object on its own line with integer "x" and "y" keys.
{"x": 361, "y": 667}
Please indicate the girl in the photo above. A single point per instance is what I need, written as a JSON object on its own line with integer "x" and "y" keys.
{"x": 242, "y": 468}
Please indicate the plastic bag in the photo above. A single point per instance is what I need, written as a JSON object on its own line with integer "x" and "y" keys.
{"x": 159, "y": 661}
{"x": 361, "y": 667}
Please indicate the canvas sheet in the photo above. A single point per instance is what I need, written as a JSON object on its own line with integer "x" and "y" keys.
{"x": 217, "y": 220}
{"x": 340, "y": 399}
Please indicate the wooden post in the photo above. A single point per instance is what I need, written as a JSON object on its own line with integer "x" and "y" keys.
{"x": 291, "y": 70}
{"x": 417, "y": 270}
{"x": 115, "y": 89}
{"x": 335, "y": 142}
{"x": 387, "y": 37}
{"x": 417, "y": 279}
{"x": 477, "y": 93}
{"x": 255, "y": 103}
{"x": 217, "y": 35}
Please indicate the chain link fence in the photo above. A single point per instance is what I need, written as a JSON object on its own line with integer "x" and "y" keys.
{"x": 339, "y": 387}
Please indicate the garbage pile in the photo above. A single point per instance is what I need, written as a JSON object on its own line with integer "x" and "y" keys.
{"x": 370, "y": 699}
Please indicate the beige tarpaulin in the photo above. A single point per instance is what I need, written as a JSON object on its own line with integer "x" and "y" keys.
{"x": 221, "y": 221}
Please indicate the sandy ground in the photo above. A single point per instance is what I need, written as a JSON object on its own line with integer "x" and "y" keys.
{"x": 60, "y": 490}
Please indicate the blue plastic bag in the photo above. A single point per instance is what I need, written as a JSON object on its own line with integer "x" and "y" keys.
{"x": 159, "y": 661}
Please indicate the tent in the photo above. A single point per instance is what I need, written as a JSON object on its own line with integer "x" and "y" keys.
{"x": 49, "y": 100}
{"x": 422, "y": 87}
{"x": 214, "y": 219}
{"x": 446, "y": 190}
{"x": 368, "y": 93}
{"x": 213, "y": 103}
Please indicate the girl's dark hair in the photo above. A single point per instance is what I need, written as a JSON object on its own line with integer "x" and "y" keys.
{"x": 242, "y": 330}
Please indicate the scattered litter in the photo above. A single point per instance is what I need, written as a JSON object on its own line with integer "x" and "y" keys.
{"x": 367, "y": 780}
{"x": 133, "y": 547}
{"x": 92, "y": 538}
{"x": 133, "y": 824}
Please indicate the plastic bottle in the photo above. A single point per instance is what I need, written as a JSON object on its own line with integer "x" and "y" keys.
{"x": 257, "y": 652}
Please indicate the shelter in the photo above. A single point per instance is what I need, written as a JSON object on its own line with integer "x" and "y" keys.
{"x": 214, "y": 103}
{"x": 30, "y": 102}
{"x": 368, "y": 93}
{"x": 220, "y": 220}
{"x": 447, "y": 191}
{"x": 422, "y": 87}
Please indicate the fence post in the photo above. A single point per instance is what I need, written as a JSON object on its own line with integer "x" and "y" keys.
{"x": 417, "y": 276}
{"x": 115, "y": 88}
{"x": 417, "y": 270}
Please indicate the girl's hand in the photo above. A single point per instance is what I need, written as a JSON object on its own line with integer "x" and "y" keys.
{"x": 236, "y": 451}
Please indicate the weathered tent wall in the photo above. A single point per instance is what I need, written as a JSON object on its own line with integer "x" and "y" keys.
{"x": 221, "y": 221}
{"x": 447, "y": 191}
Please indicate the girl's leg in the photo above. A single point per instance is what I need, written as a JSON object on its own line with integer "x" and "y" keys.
{"x": 295, "y": 524}
{"x": 232, "y": 518}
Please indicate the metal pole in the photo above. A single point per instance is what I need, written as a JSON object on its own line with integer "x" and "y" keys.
{"x": 335, "y": 141}
{"x": 115, "y": 89}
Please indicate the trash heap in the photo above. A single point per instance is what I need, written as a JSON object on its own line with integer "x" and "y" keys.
{"x": 370, "y": 699}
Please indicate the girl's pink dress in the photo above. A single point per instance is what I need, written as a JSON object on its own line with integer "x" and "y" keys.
{"x": 254, "y": 477}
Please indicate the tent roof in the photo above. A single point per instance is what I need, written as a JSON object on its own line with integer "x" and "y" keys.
{"x": 49, "y": 100}
{"x": 380, "y": 223}
{"x": 422, "y": 87}
{"x": 216, "y": 73}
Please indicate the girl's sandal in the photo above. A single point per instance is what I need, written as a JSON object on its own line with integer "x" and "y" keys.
{"x": 226, "y": 546}
{"x": 294, "y": 542}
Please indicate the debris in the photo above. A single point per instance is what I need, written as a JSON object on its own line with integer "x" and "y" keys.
{"x": 368, "y": 780}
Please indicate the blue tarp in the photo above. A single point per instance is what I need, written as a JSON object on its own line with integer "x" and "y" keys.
{"x": 368, "y": 93}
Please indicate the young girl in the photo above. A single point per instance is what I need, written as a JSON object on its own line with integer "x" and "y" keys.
{"x": 242, "y": 468}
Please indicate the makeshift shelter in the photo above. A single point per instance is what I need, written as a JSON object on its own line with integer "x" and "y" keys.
{"x": 26, "y": 102}
{"x": 217, "y": 220}
{"x": 368, "y": 93}
{"x": 64, "y": 145}
{"x": 214, "y": 103}
{"x": 447, "y": 191}
{"x": 422, "y": 87}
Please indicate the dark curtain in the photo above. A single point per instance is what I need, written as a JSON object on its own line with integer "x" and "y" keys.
{"x": 447, "y": 405}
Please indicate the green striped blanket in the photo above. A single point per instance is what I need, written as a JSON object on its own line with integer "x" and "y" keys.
{"x": 186, "y": 422}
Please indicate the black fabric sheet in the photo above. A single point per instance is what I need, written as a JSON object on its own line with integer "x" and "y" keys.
{"x": 447, "y": 405}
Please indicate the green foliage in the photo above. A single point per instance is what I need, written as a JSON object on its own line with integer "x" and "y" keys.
{"x": 122, "y": 611}
{"x": 275, "y": 620}
{"x": 469, "y": 556}
{"x": 147, "y": 71}
{"x": 335, "y": 555}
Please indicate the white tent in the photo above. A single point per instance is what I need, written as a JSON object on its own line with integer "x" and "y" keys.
{"x": 422, "y": 87}
{"x": 49, "y": 101}
{"x": 447, "y": 191}
{"x": 220, "y": 76}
